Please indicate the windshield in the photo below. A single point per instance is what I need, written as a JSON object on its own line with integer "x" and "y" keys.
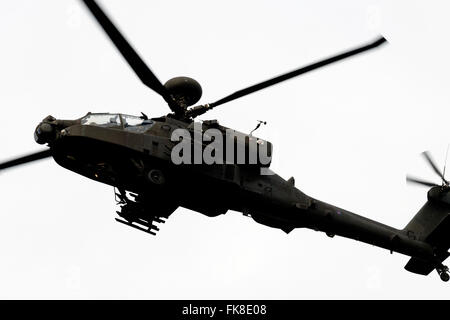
{"x": 102, "y": 119}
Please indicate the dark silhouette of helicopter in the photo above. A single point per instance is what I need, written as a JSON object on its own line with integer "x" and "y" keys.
{"x": 134, "y": 155}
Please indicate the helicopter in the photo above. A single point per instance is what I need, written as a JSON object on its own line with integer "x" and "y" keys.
{"x": 135, "y": 155}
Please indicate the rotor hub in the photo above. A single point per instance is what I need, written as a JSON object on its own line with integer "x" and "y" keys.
{"x": 186, "y": 91}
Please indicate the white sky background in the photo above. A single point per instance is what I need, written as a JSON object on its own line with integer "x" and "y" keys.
{"x": 348, "y": 133}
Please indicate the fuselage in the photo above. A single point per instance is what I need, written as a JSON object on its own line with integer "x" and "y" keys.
{"x": 135, "y": 154}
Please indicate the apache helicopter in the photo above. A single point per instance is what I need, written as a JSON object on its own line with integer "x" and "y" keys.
{"x": 133, "y": 154}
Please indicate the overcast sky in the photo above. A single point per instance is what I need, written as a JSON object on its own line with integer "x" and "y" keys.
{"x": 348, "y": 133}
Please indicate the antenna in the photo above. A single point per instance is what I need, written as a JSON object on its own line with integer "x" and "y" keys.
{"x": 445, "y": 163}
{"x": 260, "y": 122}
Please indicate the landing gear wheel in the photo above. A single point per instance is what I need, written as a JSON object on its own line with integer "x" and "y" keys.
{"x": 156, "y": 176}
{"x": 444, "y": 276}
{"x": 443, "y": 273}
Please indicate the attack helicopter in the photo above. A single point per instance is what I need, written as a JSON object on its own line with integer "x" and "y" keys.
{"x": 134, "y": 155}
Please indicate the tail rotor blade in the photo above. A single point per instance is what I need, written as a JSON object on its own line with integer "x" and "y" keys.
{"x": 445, "y": 163}
{"x": 26, "y": 159}
{"x": 421, "y": 182}
{"x": 432, "y": 163}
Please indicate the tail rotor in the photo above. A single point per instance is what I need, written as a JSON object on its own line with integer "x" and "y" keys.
{"x": 444, "y": 182}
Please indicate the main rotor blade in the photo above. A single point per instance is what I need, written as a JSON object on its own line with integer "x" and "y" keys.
{"x": 430, "y": 160}
{"x": 131, "y": 56}
{"x": 421, "y": 182}
{"x": 295, "y": 73}
{"x": 29, "y": 158}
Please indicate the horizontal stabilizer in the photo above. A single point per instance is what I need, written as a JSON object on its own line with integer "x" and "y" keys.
{"x": 419, "y": 266}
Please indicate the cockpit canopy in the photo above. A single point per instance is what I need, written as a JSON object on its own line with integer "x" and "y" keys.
{"x": 111, "y": 120}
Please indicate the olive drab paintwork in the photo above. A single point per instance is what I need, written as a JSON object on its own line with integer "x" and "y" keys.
{"x": 134, "y": 155}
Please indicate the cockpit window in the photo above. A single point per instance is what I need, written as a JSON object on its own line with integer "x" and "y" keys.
{"x": 130, "y": 123}
{"x": 102, "y": 119}
{"x": 131, "y": 120}
{"x": 136, "y": 124}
